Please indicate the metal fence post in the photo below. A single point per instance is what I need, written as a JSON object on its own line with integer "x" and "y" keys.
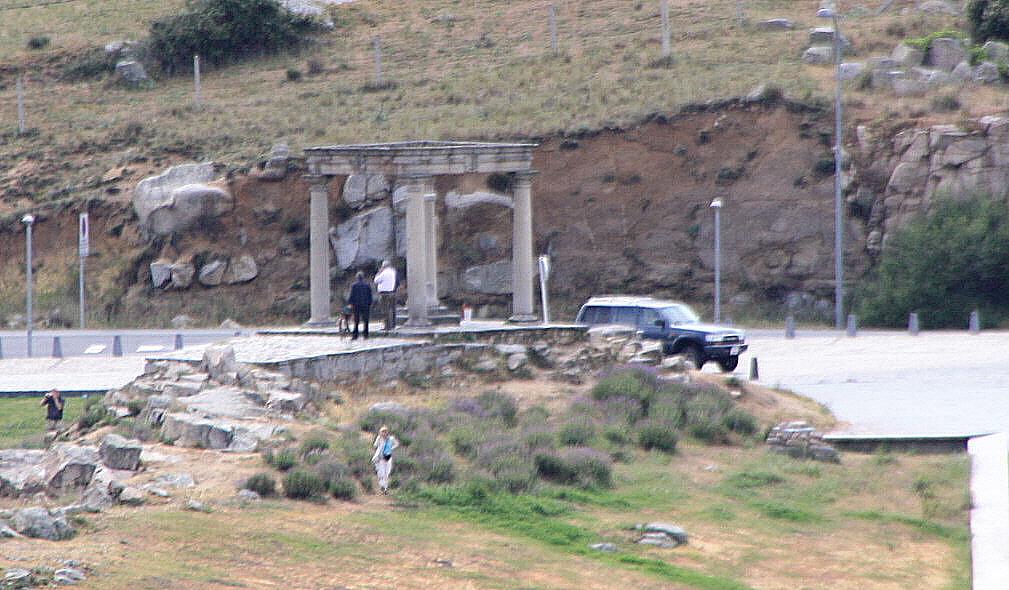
{"x": 754, "y": 370}
{"x": 178, "y": 342}
{"x": 117, "y": 345}
{"x": 790, "y": 327}
{"x": 852, "y": 325}
{"x": 57, "y": 348}
{"x": 912, "y": 324}
{"x": 974, "y": 324}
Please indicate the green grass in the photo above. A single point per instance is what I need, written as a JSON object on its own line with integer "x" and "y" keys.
{"x": 23, "y": 418}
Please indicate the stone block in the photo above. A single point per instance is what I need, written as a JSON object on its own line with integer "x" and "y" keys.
{"x": 119, "y": 453}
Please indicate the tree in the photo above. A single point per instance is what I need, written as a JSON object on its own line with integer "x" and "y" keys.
{"x": 988, "y": 19}
{"x": 942, "y": 266}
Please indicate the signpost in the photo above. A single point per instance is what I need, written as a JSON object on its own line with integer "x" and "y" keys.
{"x": 544, "y": 264}
{"x": 84, "y": 249}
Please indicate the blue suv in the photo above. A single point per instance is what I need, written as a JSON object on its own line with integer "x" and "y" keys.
{"x": 675, "y": 324}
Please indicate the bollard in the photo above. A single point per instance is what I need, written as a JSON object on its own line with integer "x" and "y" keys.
{"x": 754, "y": 371}
{"x": 852, "y": 325}
{"x": 790, "y": 327}
{"x": 57, "y": 348}
{"x": 974, "y": 324}
{"x": 178, "y": 342}
{"x": 1, "y": 348}
{"x": 912, "y": 324}
{"x": 117, "y": 345}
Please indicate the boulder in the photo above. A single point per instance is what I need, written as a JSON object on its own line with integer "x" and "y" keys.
{"x": 212, "y": 273}
{"x": 16, "y": 577}
{"x": 359, "y": 189}
{"x": 908, "y": 87}
{"x": 188, "y": 430}
{"x": 986, "y": 73}
{"x": 187, "y": 207}
{"x": 69, "y": 467}
{"x": 494, "y": 278}
{"x": 182, "y": 275}
{"x": 604, "y": 547}
{"x": 776, "y": 24}
{"x": 68, "y": 576}
{"x": 884, "y": 79}
{"x": 241, "y": 269}
{"x": 824, "y": 36}
{"x": 946, "y": 52}
{"x": 219, "y": 360}
{"x": 938, "y": 7}
{"x": 175, "y": 480}
{"x": 131, "y": 496}
{"x": 275, "y": 167}
{"x": 248, "y": 496}
{"x": 907, "y": 56}
{"x": 365, "y": 238}
{"x": 509, "y": 349}
{"x": 119, "y": 453}
{"x": 96, "y": 498}
{"x": 286, "y": 401}
{"x": 962, "y": 72}
{"x": 182, "y": 321}
{"x": 996, "y": 51}
{"x": 674, "y": 532}
{"x": 131, "y": 73}
{"x": 517, "y": 361}
{"x": 851, "y": 70}
{"x": 39, "y": 523}
{"x": 161, "y": 273}
{"x": 819, "y": 55}
{"x": 155, "y": 192}
{"x": 964, "y": 151}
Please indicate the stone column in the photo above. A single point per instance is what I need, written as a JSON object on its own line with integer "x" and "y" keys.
{"x": 416, "y": 252}
{"x": 522, "y": 249}
{"x": 319, "y": 251}
{"x": 431, "y": 240}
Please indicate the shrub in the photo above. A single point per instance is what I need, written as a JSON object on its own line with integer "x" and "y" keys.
{"x": 314, "y": 67}
{"x": 490, "y": 405}
{"x": 668, "y": 410}
{"x": 988, "y": 19}
{"x": 222, "y": 31}
{"x": 578, "y": 431}
{"x": 329, "y": 469}
{"x": 303, "y": 485}
{"x": 709, "y": 432}
{"x": 467, "y": 438}
{"x": 135, "y": 406}
{"x": 706, "y": 406}
{"x": 537, "y": 438}
{"x": 90, "y": 64}
{"x": 616, "y": 434}
{"x": 314, "y": 443}
{"x": 740, "y": 421}
{"x": 946, "y": 103}
{"x": 404, "y": 424}
{"x": 942, "y": 266}
{"x": 38, "y": 42}
{"x": 552, "y": 467}
{"x": 623, "y": 410}
{"x": 657, "y": 435}
{"x": 293, "y": 74}
{"x": 428, "y": 461}
{"x": 93, "y": 413}
{"x": 343, "y": 488}
{"x": 282, "y": 460}
{"x": 591, "y": 467}
{"x": 636, "y": 383}
{"x": 261, "y": 483}
{"x": 514, "y": 473}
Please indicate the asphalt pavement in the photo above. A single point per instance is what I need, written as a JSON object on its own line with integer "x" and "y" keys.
{"x": 100, "y": 342}
{"x": 947, "y": 384}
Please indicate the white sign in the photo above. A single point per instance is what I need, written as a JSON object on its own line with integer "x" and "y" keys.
{"x": 83, "y": 230}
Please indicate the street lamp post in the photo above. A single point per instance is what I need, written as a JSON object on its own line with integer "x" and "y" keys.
{"x": 717, "y": 206}
{"x": 831, "y": 13}
{"x": 28, "y": 220}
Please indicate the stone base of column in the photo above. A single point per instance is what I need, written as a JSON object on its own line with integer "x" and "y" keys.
{"x": 327, "y": 323}
{"x": 417, "y": 323}
{"x": 522, "y": 318}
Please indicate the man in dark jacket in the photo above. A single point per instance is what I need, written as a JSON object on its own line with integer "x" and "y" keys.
{"x": 360, "y": 299}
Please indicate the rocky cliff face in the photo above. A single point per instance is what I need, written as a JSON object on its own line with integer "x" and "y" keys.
{"x": 897, "y": 176}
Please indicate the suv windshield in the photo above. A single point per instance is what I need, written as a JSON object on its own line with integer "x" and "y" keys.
{"x": 679, "y": 314}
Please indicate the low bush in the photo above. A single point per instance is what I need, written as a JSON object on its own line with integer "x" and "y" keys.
{"x": 293, "y": 75}
{"x": 301, "y": 484}
{"x": 489, "y": 405}
{"x": 94, "y": 413}
{"x": 706, "y": 406}
{"x": 514, "y": 473}
{"x": 740, "y": 421}
{"x": 315, "y": 442}
{"x": 135, "y": 406}
{"x": 403, "y": 424}
{"x": 552, "y": 467}
{"x": 636, "y": 383}
{"x": 38, "y": 42}
{"x": 467, "y": 438}
{"x": 427, "y": 461}
{"x": 281, "y": 460}
{"x": 539, "y": 438}
{"x": 223, "y": 31}
{"x": 261, "y": 483}
{"x": 92, "y": 63}
{"x": 657, "y": 435}
{"x": 591, "y": 467}
{"x": 577, "y": 432}
{"x": 709, "y": 432}
{"x": 343, "y": 488}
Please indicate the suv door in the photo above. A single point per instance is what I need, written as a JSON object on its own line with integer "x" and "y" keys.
{"x": 648, "y": 326}
{"x": 625, "y": 316}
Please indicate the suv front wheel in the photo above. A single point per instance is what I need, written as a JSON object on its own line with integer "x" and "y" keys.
{"x": 728, "y": 364}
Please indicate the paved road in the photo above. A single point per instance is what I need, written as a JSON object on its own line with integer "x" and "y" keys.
{"x": 934, "y": 384}
{"x": 75, "y": 342}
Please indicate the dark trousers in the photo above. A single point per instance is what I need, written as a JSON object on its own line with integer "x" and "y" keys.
{"x": 361, "y": 314}
{"x": 388, "y": 301}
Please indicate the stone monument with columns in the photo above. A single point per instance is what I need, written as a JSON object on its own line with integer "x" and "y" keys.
{"x": 416, "y": 164}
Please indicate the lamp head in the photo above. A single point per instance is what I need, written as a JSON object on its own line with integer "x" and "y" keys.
{"x": 716, "y": 204}
{"x": 826, "y": 13}
{"x": 28, "y": 219}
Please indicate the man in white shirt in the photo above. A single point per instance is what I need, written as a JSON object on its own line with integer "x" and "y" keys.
{"x": 385, "y": 284}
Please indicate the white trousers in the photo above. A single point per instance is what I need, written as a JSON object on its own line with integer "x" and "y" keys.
{"x": 383, "y": 468}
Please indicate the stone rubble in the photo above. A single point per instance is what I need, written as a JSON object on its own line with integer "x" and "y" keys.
{"x": 801, "y": 441}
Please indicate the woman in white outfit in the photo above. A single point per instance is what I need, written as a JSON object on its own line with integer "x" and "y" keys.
{"x": 385, "y": 444}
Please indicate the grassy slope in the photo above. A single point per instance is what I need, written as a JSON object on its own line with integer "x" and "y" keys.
{"x": 23, "y": 418}
{"x": 450, "y": 84}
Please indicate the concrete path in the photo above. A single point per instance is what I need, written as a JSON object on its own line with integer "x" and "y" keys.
{"x": 989, "y": 514}
{"x": 278, "y": 349}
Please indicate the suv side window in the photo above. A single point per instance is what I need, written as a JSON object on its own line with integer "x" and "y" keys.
{"x": 648, "y": 318}
{"x": 627, "y": 316}
{"x": 596, "y": 315}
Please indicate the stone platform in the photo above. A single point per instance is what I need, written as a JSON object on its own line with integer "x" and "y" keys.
{"x": 487, "y": 331}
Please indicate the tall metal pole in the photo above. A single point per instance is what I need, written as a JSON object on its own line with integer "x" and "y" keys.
{"x": 718, "y": 264}
{"x": 838, "y": 156}
{"x": 28, "y": 220}
{"x": 83, "y": 250}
